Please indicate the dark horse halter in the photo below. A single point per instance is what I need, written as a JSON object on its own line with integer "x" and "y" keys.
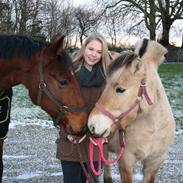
{"x": 44, "y": 89}
{"x": 142, "y": 91}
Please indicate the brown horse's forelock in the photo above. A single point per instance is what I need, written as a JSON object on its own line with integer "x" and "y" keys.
{"x": 66, "y": 61}
{"x": 125, "y": 59}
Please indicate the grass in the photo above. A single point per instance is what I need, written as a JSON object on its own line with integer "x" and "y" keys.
{"x": 171, "y": 68}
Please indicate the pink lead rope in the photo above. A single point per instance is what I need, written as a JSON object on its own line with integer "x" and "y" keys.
{"x": 99, "y": 143}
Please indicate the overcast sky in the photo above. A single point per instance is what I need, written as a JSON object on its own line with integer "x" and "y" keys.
{"x": 79, "y": 2}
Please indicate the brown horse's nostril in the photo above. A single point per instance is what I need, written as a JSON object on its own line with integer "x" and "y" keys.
{"x": 79, "y": 133}
{"x": 84, "y": 130}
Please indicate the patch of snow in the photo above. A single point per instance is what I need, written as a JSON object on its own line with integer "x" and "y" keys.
{"x": 7, "y": 157}
{"x": 29, "y": 175}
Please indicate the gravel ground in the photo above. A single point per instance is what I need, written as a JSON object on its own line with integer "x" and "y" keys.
{"x": 29, "y": 157}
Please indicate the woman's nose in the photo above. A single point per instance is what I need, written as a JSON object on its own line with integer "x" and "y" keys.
{"x": 94, "y": 54}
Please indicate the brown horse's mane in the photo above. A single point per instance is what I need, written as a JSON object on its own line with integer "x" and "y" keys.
{"x": 25, "y": 47}
{"x": 125, "y": 59}
{"x": 17, "y": 45}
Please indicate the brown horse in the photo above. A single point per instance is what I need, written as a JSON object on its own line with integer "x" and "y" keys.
{"x": 46, "y": 71}
{"x": 134, "y": 100}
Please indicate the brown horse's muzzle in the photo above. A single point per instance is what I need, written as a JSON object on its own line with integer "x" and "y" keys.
{"x": 73, "y": 131}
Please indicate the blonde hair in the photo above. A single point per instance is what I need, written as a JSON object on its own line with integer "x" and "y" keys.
{"x": 105, "y": 60}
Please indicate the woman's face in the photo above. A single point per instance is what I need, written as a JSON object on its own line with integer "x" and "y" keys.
{"x": 92, "y": 54}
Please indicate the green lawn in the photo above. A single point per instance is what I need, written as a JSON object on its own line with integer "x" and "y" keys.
{"x": 173, "y": 68}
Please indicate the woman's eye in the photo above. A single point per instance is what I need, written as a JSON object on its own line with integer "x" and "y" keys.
{"x": 91, "y": 49}
{"x": 100, "y": 53}
{"x": 120, "y": 90}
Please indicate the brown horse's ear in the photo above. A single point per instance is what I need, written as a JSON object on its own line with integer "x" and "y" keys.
{"x": 57, "y": 45}
{"x": 55, "y": 38}
{"x": 60, "y": 45}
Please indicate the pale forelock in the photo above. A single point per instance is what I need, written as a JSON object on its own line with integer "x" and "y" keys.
{"x": 125, "y": 60}
{"x": 115, "y": 76}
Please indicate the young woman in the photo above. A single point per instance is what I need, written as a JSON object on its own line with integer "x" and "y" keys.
{"x": 90, "y": 63}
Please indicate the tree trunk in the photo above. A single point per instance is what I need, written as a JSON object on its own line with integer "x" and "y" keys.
{"x": 182, "y": 41}
{"x": 152, "y": 20}
{"x": 165, "y": 34}
{"x": 152, "y": 35}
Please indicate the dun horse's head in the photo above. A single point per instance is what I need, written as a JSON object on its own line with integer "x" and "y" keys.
{"x": 54, "y": 87}
{"x": 126, "y": 94}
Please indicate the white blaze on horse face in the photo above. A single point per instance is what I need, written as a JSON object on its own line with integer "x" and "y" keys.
{"x": 99, "y": 125}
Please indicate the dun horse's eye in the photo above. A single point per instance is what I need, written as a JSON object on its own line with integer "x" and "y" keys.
{"x": 120, "y": 90}
{"x": 64, "y": 82}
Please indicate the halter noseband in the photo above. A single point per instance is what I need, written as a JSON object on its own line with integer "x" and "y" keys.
{"x": 142, "y": 91}
{"x": 44, "y": 89}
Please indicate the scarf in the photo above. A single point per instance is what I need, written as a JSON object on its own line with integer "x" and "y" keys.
{"x": 93, "y": 78}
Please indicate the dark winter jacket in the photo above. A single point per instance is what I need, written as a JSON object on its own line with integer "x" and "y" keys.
{"x": 65, "y": 149}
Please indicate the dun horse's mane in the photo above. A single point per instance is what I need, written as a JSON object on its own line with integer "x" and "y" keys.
{"x": 16, "y": 45}
{"x": 125, "y": 59}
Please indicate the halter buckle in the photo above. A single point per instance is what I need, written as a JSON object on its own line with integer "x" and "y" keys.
{"x": 42, "y": 85}
{"x": 139, "y": 98}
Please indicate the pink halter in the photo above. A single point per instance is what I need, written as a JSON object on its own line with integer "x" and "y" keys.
{"x": 142, "y": 92}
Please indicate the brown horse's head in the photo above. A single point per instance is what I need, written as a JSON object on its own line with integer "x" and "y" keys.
{"x": 55, "y": 88}
{"x": 126, "y": 94}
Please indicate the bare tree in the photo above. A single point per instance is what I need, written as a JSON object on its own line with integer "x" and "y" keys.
{"x": 36, "y": 22}
{"x": 67, "y": 24}
{"x": 24, "y": 8}
{"x": 51, "y": 15}
{"x": 86, "y": 21}
{"x": 154, "y": 12}
{"x": 142, "y": 10}
{"x": 26, "y": 17}
{"x": 5, "y": 17}
{"x": 112, "y": 24}
{"x": 169, "y": 11}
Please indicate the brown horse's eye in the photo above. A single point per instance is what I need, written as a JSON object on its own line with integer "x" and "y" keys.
{"x": 64, "y": 82}
{"x": 120, "y": 90}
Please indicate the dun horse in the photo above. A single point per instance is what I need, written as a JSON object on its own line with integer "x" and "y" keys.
{"x": 135, "y": 101}
{"x": 46, "y": 70}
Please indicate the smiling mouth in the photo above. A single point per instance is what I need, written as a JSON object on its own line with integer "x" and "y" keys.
{"x": 92, "y": 60}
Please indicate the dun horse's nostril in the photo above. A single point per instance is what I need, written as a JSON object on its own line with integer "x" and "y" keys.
{"x": 92, "y": 129}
